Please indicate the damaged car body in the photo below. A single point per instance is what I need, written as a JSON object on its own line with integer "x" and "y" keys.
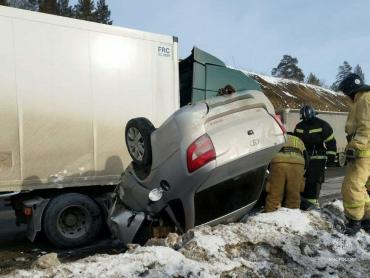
{"x": 205, "y": 164}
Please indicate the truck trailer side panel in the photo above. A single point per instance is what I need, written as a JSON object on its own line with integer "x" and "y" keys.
{"x": 67, "y": 89}
{"x": 337, "y": 120}
{"x": 9, "y": 129}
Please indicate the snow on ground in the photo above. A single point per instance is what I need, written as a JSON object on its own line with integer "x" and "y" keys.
{"x": 271, "y": 79}
{"x": 281, "y": 81}
{"x": 318, "y": 88}
{"x": 286, "y": 243}
{"x": 288, "y": 94}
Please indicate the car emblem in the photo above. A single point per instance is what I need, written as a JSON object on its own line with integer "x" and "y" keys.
{"x": 254, "y": 142}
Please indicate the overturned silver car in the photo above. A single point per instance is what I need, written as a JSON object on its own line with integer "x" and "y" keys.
{"x": 205, "y": 164}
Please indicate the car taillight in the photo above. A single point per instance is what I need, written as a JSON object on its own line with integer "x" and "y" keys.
{"x": 27, "y": 211}
{"x": 200, "y": 152}
{"x": 281, "y": 125}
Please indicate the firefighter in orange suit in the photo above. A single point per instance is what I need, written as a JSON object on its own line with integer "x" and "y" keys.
{"x": 285, "y": 181}
{"x": 356, "y": 201}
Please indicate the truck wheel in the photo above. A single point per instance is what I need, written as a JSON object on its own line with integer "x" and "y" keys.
{"x": 137, "y": 134}
{"x": 72, "y": 220}
{"x": 341, "y": 159}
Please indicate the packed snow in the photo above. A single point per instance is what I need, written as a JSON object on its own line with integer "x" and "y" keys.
{"x": 285, "y": 243}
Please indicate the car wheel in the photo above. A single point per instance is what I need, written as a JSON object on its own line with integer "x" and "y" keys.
{"x": 72, "y": 220}
{"x": 341, "y": 159}
{"x": 137, "y": 134}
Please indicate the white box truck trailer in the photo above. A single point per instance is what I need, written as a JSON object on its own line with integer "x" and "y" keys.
{"x": 337, "y": 120}
{"x": 67, "y": 89}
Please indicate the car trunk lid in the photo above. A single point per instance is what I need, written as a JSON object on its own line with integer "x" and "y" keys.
{"x": 241, "y": 125}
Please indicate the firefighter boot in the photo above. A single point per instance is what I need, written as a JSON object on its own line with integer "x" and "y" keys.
{"x": 352, "y": 227}
{"x": 366, "y": 225}
{"x": 309, "y": 204}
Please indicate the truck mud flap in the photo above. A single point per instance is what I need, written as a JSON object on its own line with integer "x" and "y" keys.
{"x": 34, "y": 225}
{"x": 124, "y": 223}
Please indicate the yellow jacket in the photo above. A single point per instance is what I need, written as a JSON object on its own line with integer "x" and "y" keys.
{"x": 293, "y": 157}
{"x": 358, "y": 124}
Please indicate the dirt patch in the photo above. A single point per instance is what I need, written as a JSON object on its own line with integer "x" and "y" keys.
{"x": 25, "y": 256}
{"x": 12, "y": 260}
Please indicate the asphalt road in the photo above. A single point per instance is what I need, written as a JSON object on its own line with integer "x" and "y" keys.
{"x": 335, "y": 172}
{"x": 333, "y": 181}
{"x": 17, "y": 252}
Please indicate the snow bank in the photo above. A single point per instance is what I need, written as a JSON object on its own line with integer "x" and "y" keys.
{"x": 286, "y": 243}
{"x": 287, "y": 93}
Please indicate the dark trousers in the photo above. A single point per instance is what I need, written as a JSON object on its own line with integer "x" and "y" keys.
{"x": 315, "y": 176}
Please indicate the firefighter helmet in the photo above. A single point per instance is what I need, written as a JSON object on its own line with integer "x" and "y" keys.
{"x": 307, "y": 113}
{"x": 351, "y": 84}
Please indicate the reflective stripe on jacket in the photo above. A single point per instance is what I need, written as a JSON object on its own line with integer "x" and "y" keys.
{"x": 296, "y": 156}
{"x": 318, "y": 138}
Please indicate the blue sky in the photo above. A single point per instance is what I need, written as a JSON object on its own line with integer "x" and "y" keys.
{"x": 254, "y": 35}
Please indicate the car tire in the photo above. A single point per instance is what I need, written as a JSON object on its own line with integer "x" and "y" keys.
{"x": 72, "y": 220}
{"x": 137, "y": 135}
{"x": 341, "y": 159}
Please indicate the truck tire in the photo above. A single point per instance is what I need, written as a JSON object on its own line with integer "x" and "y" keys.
{"x": 137, "y": 135}
{"x": 341, "y": 159}
{"x": 72, "y": 220}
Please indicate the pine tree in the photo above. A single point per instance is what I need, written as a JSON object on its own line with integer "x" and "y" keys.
{"x": 343, "y": 71}
{"x": 358, "y": 71}
{"x": 4, "y": 2}
{"x": 64, "y": 9}
{"x": 48, "y": 6}
{"x": 102, "y": 13}
{"x": 312, "y": 79}
{"x": 85, "y": 10}
{"x": 24, "y": 4}
{"x": 288, "y": 68}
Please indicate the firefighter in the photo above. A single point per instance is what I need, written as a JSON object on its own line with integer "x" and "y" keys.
{"x": 319, "y": 140}
{"x": 356, "y": 201}
{"x": 285, "y": 181}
